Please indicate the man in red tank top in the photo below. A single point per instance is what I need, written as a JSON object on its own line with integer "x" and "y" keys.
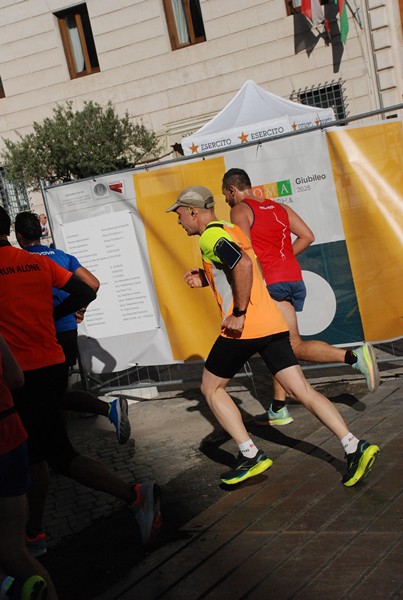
{"x": 269, "y": 226}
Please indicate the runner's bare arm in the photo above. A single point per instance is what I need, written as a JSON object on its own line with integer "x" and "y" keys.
{"x": 241, "y": 215}
{"x": 242, "y": 276}
{"x": 304, "y": 235}
{"x": 88, "y": 278}
{"x": 195, "y": 278}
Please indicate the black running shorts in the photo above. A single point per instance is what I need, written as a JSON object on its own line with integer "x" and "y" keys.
{"x": 228, "y": 355}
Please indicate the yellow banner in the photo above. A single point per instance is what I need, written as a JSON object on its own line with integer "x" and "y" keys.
{"x": 367, "y": 166}
{"x": 190, "y": 315}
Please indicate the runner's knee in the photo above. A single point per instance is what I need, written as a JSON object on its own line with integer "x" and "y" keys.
{"x": 297, "y": 344}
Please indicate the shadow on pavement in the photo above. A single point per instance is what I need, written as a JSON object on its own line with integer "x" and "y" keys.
{"x": 87, "y": 563}
{"x": 348, "y": 400}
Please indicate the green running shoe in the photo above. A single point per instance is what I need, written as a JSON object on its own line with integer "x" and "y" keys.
{"x": 33, "y": 588}
{"x": 282, "y": 417}
{"x": 366, "y": 364}
{"x": 360, "y": 462}
{"x": 246, "y": 467}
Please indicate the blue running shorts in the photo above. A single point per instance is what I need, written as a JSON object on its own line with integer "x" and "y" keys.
{"x": 291, "y": 291}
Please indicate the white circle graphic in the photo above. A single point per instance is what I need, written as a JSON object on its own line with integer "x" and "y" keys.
{"x": 320, "y": 305}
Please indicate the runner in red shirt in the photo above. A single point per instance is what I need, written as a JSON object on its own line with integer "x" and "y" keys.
{"x": 27, "y": 323}
{"x": 269, "y": 225}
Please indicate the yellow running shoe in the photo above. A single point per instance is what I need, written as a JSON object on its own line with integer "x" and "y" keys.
{"x": 246, "y": 467}
{"x": 33, "y": 588}
{"x": 360, "y": 462}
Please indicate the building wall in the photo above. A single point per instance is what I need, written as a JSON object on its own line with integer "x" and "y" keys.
{"x": 178, "y": 91}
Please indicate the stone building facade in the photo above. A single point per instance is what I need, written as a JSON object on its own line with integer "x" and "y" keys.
{"x": 177, "y": 63}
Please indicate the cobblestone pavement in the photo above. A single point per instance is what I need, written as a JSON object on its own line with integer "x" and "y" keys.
{"x": 167, "y": 432}
{"x": 93, "y": 539}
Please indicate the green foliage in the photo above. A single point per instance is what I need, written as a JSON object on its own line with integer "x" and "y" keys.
{"x": 77, "y": 144}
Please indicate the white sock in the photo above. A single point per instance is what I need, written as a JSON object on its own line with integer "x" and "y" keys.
{"x": 349, "y": 443}
{"x": 248, "y": 449}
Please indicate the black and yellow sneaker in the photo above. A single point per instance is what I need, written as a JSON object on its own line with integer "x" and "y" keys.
{"x": 246, "y": 467}
{"x": 360, "y": 462}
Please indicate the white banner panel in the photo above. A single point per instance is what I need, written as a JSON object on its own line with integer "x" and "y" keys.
{"x": 109, "y": 249}
{"x": 297, "y": 172}
{"x": 123, "y": 327}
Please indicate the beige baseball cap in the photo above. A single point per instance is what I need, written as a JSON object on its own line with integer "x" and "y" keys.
{"x": 196, "y": 196}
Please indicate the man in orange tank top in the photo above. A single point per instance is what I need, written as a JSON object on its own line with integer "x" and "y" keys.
{"x": 251, "y": 323}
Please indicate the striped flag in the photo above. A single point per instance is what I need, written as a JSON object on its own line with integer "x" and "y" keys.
{"x": 343, "y": 20}
{"x": 313, "y": 11}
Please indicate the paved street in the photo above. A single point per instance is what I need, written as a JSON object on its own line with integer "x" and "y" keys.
{"x": 294, "y": 531}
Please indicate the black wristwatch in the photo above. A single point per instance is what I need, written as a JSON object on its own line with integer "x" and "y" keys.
{"x": 237, "y": 312}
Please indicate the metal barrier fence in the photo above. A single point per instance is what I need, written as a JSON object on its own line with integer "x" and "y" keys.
{"x": 389, "y": 357}
{"x": 148, "y": 377}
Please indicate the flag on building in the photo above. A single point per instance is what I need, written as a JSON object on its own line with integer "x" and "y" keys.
{"x": 313, "y": 11}
{"x": 343, "y": 20}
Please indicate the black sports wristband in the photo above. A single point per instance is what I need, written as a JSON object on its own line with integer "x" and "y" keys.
{"x": 237, "y": 312}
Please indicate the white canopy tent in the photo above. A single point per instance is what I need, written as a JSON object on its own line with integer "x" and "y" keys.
{"x": 252, "y": 115}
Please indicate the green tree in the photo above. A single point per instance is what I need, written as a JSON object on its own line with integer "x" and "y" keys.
{"x": 77, "y": 144}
